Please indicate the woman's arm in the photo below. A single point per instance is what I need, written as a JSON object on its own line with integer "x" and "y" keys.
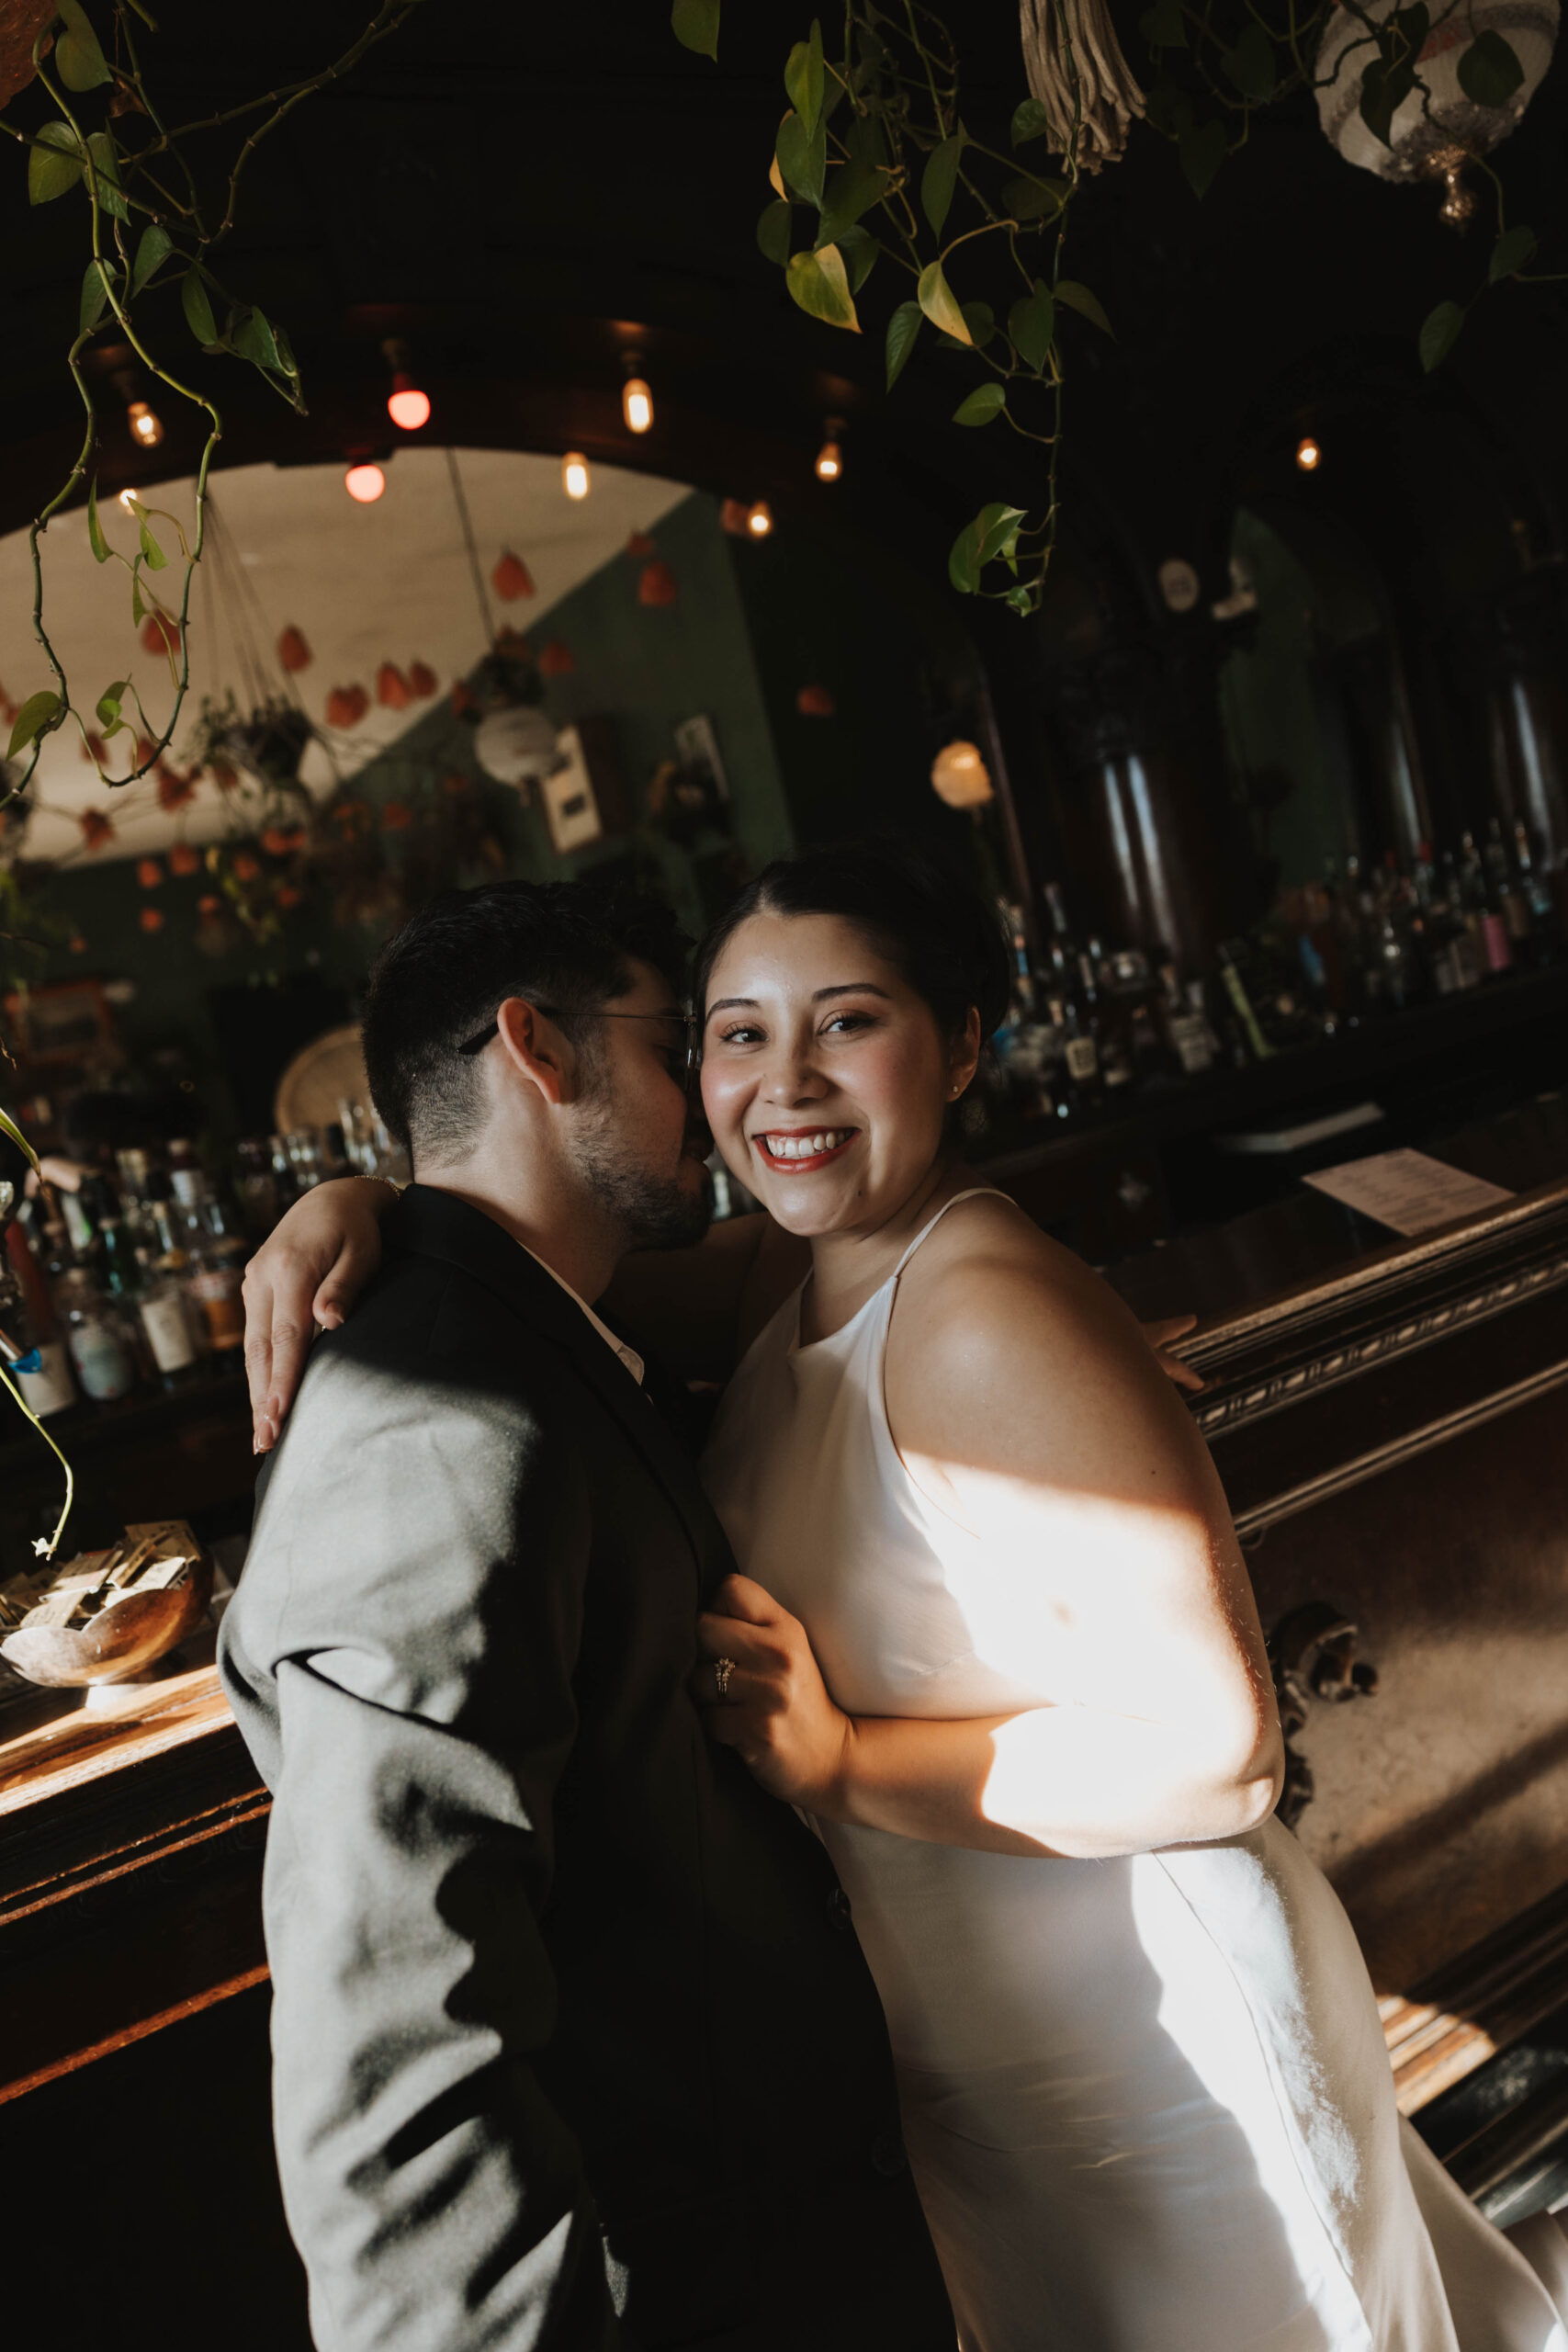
{"x": 310, "y": 1270}
{"x": 1028, "y": 1405}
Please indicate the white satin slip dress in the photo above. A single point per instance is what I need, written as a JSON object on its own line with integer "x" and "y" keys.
{"x": 1146, "y": 2100}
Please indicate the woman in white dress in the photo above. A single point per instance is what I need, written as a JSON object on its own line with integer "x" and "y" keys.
{"x": 994, "y": 1636}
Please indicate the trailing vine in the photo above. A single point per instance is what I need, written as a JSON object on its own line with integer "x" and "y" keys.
{"x": 874, "y": 161}
{"x": 148, "y": 227}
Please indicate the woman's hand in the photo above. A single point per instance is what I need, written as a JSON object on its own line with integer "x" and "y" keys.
{"x": 310, "y": 1270}
{"x": 774, "y": 1711}
{"x": 1159, "y": 1337}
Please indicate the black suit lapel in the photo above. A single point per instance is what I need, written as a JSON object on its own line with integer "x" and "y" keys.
{"x": 433, "y": 1223}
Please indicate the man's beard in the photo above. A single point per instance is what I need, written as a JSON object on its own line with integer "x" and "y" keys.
{"x": 654, "y": 1211}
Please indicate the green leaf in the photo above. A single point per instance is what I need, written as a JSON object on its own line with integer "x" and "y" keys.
{"x": 1201, "y": 148}
{"x": 105, "y": 175}
{"x": 821, "y": 283}
{"x": 1021, "y": 599}
{"x": 95, "y": 539}
{"x": 1028, "y": 198}
{"x": 110, "y": 701}
{"x": 860, "y": 249}
{"x": 138, "y": 604}
{"x": 9, "y": 1127}
{"x": 153, "y": 247}
{"x": 852, "y": 191}
{"x": 982, "y": 406}
{"x": 803, "y": 161}
{"x": 935, "y": 299}
{"x": 903, "y": 328}
{"x": 940, "y": 178}
{"x": 1513, "y": 249}
{"x": 94, "y": 296}
{"x": 33, "y": 716}
{"x": 1251, "y": 65}
{"x": 694, "y": 23}
{"x": 1490, "y": 71}
{"x": 1029, "y": 121}
{"x": 1031, "y": 324}
{"x": 1161, "y": 26}
{"x": 254, "y": 339}
{"x": 1384, "y": 88}
{"x": 155, "y": 554}
{"x": 1440, "y": 332}
{"x": 54, "y": 164}
{"x": 1079, "y": 297}
{"x": 1168, "y": 110}
{"x": 993, "y": 532}
{"x": 197, "y": 308}
{"x": 773, "y": 232}
{"x": 76, "y": 53}
{"x": 805, "y": 79}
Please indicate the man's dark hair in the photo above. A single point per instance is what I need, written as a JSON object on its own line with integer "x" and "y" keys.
{"x": 567, "y": 944}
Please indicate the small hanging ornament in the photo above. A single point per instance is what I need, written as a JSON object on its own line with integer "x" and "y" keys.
{"x": 246, "y": 868}
{"x": 392, "y": 687}
{"x": 397, "y": 816}
{"x": 423, "y": 680}
{"x": 657, "y": 585}
{"x": 151, "y": 917}
{"x": 287, "y": 896}
{"x": 160, "y": 634}
{"x": 346, "y": 705}
{"x": 639, "y": 547}
{"x": 183, "y": 859}
{"x": 732, "y": 516}
{"x": 516, "y": 744}
{"x": 511, "y": 579}
{"x": 463, "y": 699}
{"x": 816, "y": 701}
{"x": 209, "y": 905}
{"x": 292, "y": 650}
{"x": 556, "y": 660}
{"x": 96, "y": 828}
{"x": 149, "y": 873}
{"x": 174, "y": 789}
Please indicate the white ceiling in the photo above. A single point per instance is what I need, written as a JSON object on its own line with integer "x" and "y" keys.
{"x": 365, "y": 584}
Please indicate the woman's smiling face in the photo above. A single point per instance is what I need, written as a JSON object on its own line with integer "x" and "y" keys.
{"x": 826, "y": 1078}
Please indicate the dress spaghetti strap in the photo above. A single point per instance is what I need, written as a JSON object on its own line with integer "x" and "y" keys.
{"x": 973, "y": 1193}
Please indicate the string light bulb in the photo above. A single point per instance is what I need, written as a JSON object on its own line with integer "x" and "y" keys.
{"x": 365, "y": 483}
{"x": 759, "y": 519}
{"x": 408, "y": 407}
{"x": 829, "y": 461}
{"x": 146, "y": 428}
{"x": 1308, "y": 457}
{"x": 636, "y": 404}
{"x": 574, "y": 476}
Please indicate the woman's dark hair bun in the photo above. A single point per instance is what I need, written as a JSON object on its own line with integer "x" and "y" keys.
{"x": 930, "y": 923}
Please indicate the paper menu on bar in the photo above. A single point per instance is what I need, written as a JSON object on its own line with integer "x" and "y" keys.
{"x": 1407, "y": 1191}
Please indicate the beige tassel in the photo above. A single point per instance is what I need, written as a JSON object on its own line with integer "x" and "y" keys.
{"x": 1108, "y": 98}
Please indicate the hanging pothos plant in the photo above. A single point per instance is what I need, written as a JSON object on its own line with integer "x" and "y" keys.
{"x": 873, "y": 161}
{"x": 150, "y": 227}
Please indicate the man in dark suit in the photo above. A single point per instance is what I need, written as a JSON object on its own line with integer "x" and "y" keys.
{"x": 573, "y": 2047}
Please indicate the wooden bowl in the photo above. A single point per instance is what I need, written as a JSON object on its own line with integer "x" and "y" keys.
{"x": 121, "y": 1642}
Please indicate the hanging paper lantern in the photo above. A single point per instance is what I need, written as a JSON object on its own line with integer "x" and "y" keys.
{"x": 421, "y": 679}
{"x": 292, "y": 649}
{"x": 960, "y": 777}
{"x": 640, "y": 545}
{"x": 149, "y": 873}
{"x": 657, "y": 585}
{"x": 1480, "y": 66}
{"x": 511, "y": 579}
{"x": 160, "y": 634}
{"x": 392, "y": 687}
{"x": 346, "y": 705}
{"x": 96, "y": 828}
{"x": 556, "y": 660}
{"x": 183, "y": 859}
{"x": 397, "y": 816}
{"x": 151, "y": 917}
{"x": 816, "y": 701}
{"x": 516, "y": 744}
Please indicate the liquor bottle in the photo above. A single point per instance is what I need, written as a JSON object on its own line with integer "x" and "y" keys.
{"x": 1535, "y": 888}
{"x": 1486, "y": 909}
{"x": 100, "y": 1344}
{"x": 256, "y": 1187}
{"x": 1102, "y": 1018}
{"x": 1081, "y": 1048}
{"x": 1192, "y": 1043}
{"x": 1241, "y": 1003}
{"x": 218, "y": 1274}
{"x": 36, "y": 1357}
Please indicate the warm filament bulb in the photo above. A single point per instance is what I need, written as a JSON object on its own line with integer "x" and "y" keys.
{"x": 365, "y": 483}
{"x": 1308, "y": 455}
{"x": 144, "y": 426}
{"x": 574, "y": 474}
{"x": 408, "y": 407}
{"x": 829, "y": 461}
{"x": 759, "y": 519}
{"x": 637, "y": 405}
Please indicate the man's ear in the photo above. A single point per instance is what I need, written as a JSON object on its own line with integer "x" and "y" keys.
{"x": 537, "y": 1050}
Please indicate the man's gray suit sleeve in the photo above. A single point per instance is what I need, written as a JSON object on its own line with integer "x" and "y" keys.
{"x": 415, "y": 1652}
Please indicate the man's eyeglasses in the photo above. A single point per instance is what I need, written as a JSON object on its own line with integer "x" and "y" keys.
{"x": 684, "y": 1032}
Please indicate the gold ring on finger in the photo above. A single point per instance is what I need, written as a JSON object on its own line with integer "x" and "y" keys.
{"x": 723, "y": 1668}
